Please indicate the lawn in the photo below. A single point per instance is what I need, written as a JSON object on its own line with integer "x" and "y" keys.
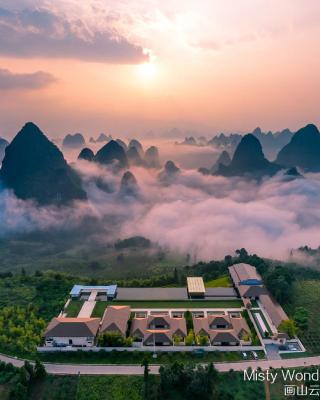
{"x": 74, "y": 308}
{"x": 307, "y": 295}
{"x": 223, "y": 281}
{"x": 136, "y": 357}
{"x": 101, "y": 305}
{"x": 254, "y": 312}
{"x": 109, "y": 388}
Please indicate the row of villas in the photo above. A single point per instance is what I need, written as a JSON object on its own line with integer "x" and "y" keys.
{"x": 156, "y": 329}
{"x": 165, "y": 328}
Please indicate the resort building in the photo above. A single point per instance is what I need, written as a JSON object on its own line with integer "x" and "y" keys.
{"x": 196, "y": 287}
{"x": 222, "y": 329}
{"x": 81, "y": 292}
{"x": 76, "y": 332}
{"x": 115, "y": 319}
{"x": 158, "y": 330}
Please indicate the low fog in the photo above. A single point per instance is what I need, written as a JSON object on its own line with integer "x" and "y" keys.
{"x": 205, "y": 216}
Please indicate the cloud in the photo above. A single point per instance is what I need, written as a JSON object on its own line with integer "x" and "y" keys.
{"x": 35, "y": 80}
{"x": 33, "y": 33}
{"x": 205, "y": 216}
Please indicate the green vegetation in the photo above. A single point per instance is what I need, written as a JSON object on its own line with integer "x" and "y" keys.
{"x": 277, "y": 389}
{"x": 109, "y": 388}
{"x": 20, "y": 381}
{"x": 254, "y": 314}
{"x": 101, "y": 305}
{"x": 114, "y": 339}
{"x": 20, "y": 329}
{"x": 289, "y": 327}
{"x": 223, "y": 281}
{"x": 307, "y": 295}
{"x": 254, "y": 337}
{"x": 136, "y": 357}
{"x": 73, "y": 308}
{"x": 74, "y": 253}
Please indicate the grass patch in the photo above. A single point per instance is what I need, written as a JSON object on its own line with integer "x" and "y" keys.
{"x": 307, "y": 295}
{"x": 110, "y": 388}
{"x": 223, "y": 281}
{"x": 101, "y": 305}
{"x": 55, "y": 388}
{"x": 136, "y": 357}
{"x": 74, "y": 308}
{"x": 254, "y": 314}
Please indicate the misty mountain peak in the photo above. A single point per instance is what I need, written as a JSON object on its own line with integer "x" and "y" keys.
{"x": 86, "y": 154}
{"x": 122, "y": 144}
{"x": 248, "y": 159}
{"x": 223, "y": 159}
{"x": 152, "y": 157}
{"x": 303, "y": 150}
{"x": 135, "y": 143}
{"x": 112, "y": 153}
{"x": 34, "y": 168}
{"x": 134, "y": 156}
{"x": 73, "y": 141}
{"x": 129, "y": 185}
{"x": 171, "y": 168}
{"x": 257, "y": 131}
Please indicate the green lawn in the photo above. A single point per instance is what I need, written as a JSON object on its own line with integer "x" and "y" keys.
{"x": 136, "y": 357}
{"x": 110, "y": 388}
{"x": 254, "y": 312}
{"x": 74, "y": 308}
{"x": 223, "y": 281}
{"x": 307, "y": 295}
{"x": 101, "y": 305}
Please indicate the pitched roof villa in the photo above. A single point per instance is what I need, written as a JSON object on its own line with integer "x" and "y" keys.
{"x": 274, "y": 310}
{"x": 245, "y": 274}
{"x": 158, "y": 330}
{"x": 222, "y": 330}
{"x": 115, "y": 319}
{"x": 250, "y": 286}
{"x": 72, "y": 331}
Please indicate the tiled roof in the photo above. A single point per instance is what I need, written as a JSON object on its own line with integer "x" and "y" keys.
{"x": 273, "y": 309}
{"x": 242, "y": 272}
{"x": 72, "y": 327}
{"x": 115, "y": 316}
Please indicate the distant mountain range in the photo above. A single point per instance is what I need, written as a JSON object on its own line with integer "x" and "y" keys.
{"x": 34, "y": 168}
{"x": 271, "y": 142}
{"x": 302, "y": 151}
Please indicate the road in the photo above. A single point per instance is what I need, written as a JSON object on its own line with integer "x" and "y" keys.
{"x": 102, "y": 369}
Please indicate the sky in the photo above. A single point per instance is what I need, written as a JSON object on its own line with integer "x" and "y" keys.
{"x": 129, "y": 67}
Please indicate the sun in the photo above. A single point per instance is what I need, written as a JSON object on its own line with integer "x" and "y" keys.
{"x": 147, "y": 72}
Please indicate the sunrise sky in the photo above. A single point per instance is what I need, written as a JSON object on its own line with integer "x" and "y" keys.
{"x": 126, "y": 67}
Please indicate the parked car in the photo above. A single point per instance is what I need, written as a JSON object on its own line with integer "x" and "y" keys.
{"x": 244, "y": 355}
{"x": 255, "y": 355}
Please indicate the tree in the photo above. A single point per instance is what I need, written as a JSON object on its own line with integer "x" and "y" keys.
{"x": 19, "y": 392}
{"x": 190, "y": 338}
{"x": 289, "y": 327}
{"x": 39, "y": 370}
{"x": 301, "y": 318}
{"x": 202, "y": 340}
{"x": 145, "y": 364}
{"x": 175, "y": 275}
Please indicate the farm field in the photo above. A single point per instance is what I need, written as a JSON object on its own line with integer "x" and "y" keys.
{"x": 307, "y": 295}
